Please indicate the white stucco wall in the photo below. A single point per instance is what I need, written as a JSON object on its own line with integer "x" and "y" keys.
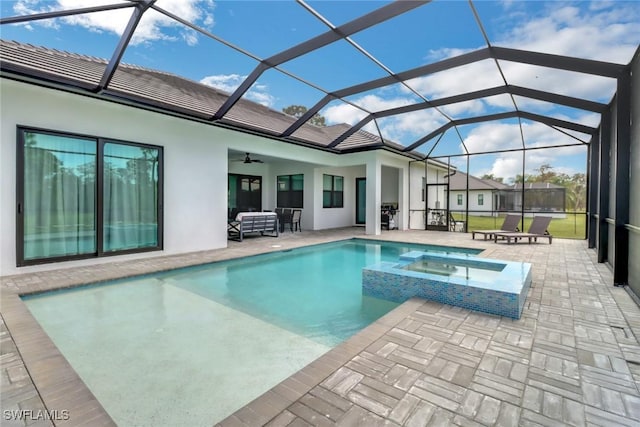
{"x": 195, "y": 166}
{"x": 389, "y": 185}
{"x": 324, "y": 218}
{"x": 473, "y": 201}
{"x": 195, "y": 169}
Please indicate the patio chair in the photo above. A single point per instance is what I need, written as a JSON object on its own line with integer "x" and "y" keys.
{"x": 455, "y": 225}
{"x": 538, "y": 228}
{"x": 295, "y": 220}
{"x": 285, "y": 218}
{"x": 510, "y": 225}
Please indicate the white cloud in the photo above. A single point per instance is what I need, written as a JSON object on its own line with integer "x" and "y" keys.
{"x": 558, "y": 81}
{"x": 402, "y": 128}
{"x": 471, "y": 77}
{"x": 609, "y": 32}
{"x": 377, "y": 103}
{"x": 503, "y": 136}
{"x": 230, "y": 82}
{"x": 225, "y": 82}
{"x": 407, "y": 128}
{"x": 498, "y": 136}
{"x": 563, "y": 160}
{"x": 507, "y": 166}
{"x": 447, "y": 52}
{"x": 341, "y": 112}
{"x": 153, "y": 25}
{"x": 466, "y": 108}
{"x": 493, "y": 136}
{"x": 261, "y": 97}
{"x": 605, "y": 31}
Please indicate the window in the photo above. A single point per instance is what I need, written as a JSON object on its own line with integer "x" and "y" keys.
{"x": 290, "y": 191}
{"x": 332, "y": 191}
{"x": 459, "y": 199}
{"x": 81, "y": 197}
{"x": 480, "y": 199}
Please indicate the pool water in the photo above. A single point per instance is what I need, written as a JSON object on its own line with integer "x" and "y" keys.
{"x": 191, "y": 346}
{"x": 451, "y": 269}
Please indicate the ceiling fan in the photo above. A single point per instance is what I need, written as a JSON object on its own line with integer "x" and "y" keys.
{"x": 248, "y": 159}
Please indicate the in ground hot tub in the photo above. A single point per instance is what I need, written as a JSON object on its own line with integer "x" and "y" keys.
{"x": 487, "y": 285}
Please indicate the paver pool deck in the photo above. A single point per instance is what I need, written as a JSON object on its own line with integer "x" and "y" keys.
{"x": 573, "y": 358}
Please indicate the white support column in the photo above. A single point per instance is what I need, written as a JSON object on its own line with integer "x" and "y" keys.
{"x": 374, "y": 197}
{"x": 403, "y": 198}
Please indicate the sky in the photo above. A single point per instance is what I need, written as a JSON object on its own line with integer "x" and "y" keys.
{"x": 254, "y": 30}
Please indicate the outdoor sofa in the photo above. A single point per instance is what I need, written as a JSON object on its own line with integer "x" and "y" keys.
{"x": 253, "y": 222}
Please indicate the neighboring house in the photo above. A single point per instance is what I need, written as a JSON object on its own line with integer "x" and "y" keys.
{"x": 540, "y": 198}
{"x": 169, "y": 174}
{"x": 486, "y": 197}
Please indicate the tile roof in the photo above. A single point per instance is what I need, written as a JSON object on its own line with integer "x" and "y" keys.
{"x": 459, "y": 182}
{"x": 169, "y": 92}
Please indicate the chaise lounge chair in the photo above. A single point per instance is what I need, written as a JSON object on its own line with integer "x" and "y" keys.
{"x": 509, "y": 225}
{"x": 538, "y": 228}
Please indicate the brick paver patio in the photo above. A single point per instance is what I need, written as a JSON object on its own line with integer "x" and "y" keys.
{"x": 572, "y": 359}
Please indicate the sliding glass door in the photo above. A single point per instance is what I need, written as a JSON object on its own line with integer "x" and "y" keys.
{"x": 59, "y": 184}
{"x": 130, "y": 197}
{"x": 80, "y": 197}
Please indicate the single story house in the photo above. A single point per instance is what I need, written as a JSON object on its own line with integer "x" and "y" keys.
{"x": 486, "y": 196}
{"x": 90, "y": 175}
{"x": 489, "y": 198}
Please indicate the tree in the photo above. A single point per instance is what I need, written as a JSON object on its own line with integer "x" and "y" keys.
{"x": 520, "y": 179}
{"x": 545, "y": 173}
{"x": 576, "y": 191}
{"x": 575, "y": 185}
{"x": 492, "y": 177}
{"x": 298, "y": 111}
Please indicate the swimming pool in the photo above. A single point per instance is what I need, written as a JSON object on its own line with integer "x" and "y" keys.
{"x": 190, "y": 346}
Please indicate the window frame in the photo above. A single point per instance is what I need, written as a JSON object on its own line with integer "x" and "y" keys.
{"x": 459, "y": 200}
{"x": 333, "y": 199}
{"x": 481, "y": 199}
{"x": 98, "y": 205}
{"x": 289, "y": 192}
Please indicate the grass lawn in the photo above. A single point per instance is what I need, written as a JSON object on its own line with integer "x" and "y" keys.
{"x": 571, "y": 227}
